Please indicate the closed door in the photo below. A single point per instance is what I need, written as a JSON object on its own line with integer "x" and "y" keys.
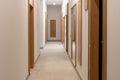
{"x": 93, "y": 39}
{"x": 52, "y": 28}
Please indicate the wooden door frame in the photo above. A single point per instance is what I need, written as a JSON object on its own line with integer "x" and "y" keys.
{"x": 75, "y": 64}
{"x": 104, "y": 42}
{"x": 30, "y": 36}
{"x": 80, "y": 32}
{"x": 104, "y": 53}
{"x": 93, "y": 40}
{"x": 62, "y": 31}
{"x": 46, "y": 27}
{"x": 67, "y": 27}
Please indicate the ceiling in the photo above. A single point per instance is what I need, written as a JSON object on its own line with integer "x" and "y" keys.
{"x": 50, "y": 2}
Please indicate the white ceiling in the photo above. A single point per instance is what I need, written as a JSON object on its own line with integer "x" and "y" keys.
{"x": 50, "y": 2}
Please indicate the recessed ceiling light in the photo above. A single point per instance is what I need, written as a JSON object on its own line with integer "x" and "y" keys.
{"x": 54, "y": 3}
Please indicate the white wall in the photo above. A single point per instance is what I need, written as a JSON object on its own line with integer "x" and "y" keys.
{"x": 13, "y": 39}
{"x": 113, "y": 40}
{"x": 54, "y": 13}
{"x": 43, "y": 9}
{"x": 83, "y": 70}
{"x": 36, "y": 29}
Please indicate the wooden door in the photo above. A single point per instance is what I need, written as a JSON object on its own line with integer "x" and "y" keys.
{"x": 79, "y": 13}
{"x": 30, "y": 36}
{"x": 52, "y": 28}
{"x": 93, "y": 13}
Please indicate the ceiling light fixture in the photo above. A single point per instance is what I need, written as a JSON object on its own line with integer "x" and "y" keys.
{"x": 54, "y": 3}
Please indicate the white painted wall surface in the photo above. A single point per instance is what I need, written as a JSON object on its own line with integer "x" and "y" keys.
{"x": 13, "y": 39}
{"x": 113, "y": 40}
{"x": 36, "y": 29}
{"x": 43, "y": 9}
{"x": 54, "y": 13}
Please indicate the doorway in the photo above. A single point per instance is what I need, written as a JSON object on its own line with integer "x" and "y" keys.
{"x": 97, "y": 39}
{"x": 31, "y": 34}
{"x": 73, "y": 34}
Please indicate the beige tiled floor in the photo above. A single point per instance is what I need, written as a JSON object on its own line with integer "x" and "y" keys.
{"x": 53, "y": 64}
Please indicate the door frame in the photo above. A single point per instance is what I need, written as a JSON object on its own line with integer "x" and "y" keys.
{"x": 46, "y": 27}
{"x": 30, "y": 35}
{"x": 104, "y": 53}
{"x": 79, "y": 13}
{"x": 67, "y": 17}
{"x": 93, "y": 40}
{"x": 75, "y": 35}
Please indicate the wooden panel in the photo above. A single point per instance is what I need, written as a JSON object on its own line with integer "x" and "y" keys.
{"x": 52, "y": 28}
{"x": 31, "y": 37}
{"x": 104, "y": 53}
{"x": 93, "y": 13}
{"x": 67, "y": 33}
{"x": 31, "y": 2}
{"x": 80, "y": 32}
{"x": 67, "y": 27}
{"x": 46, "y": 26}
{"x": 63, "y": 30}
{"x": 74, "y": 35}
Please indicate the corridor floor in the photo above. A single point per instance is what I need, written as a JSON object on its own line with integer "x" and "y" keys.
{"x": 53, "y": 64}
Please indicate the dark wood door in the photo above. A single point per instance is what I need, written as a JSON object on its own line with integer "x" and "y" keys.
{"x": 52, "y": 28}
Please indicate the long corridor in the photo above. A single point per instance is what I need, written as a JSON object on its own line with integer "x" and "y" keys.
{"x": 53, "y": 64}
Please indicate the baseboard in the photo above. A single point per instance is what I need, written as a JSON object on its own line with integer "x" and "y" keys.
{"x": 75, "y": 68}
{"x": 41, "y": 47}
{"x": 37, "y": 59}
{"x": 27, "y": 77}
{"x": 53, "y": 40}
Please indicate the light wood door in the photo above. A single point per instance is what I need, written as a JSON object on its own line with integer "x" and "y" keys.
{"x": 93, "y": 43}
{"x": 79, "y": 31}
{"x": 52, "y": 28}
